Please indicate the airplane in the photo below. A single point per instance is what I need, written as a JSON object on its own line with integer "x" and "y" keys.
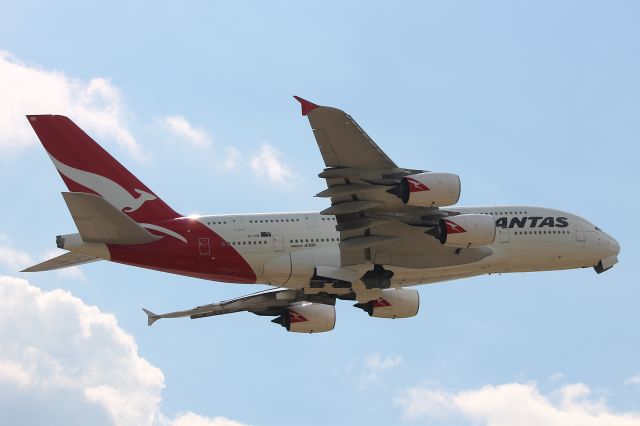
{"x": 388, "y": 229}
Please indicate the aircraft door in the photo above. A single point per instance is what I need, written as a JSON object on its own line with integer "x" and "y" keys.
{"x": 238, "y": 223}
{"x": 278, "y": 242}
{"x": 503, "y": 235}
{"x": 311, "y": 220}
{"x": 580, "y": 235}
{"x": 204, "y": 247}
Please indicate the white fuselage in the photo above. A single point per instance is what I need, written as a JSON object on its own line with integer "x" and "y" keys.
{"x": 284, "y": 249}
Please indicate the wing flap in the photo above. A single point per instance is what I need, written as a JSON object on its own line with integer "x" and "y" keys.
{"x": 98, "y": 221}
{"x": 63, "y": 261}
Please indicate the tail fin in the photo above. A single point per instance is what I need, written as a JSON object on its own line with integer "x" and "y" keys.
{"x": 86, "y": 167}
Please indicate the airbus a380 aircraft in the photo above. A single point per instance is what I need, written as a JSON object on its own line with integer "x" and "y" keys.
{"x": 388, "y": 228}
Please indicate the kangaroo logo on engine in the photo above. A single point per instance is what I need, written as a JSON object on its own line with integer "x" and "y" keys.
{"x": 416, "y": 185}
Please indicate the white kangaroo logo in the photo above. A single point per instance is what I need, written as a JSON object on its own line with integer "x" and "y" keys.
{"x": 108, "y": 189}
{"x": 418, "y": 186}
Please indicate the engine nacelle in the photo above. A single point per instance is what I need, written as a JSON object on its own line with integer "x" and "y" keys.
{"x": 393, "y": 303}
{"x": 308, "y": 318}
{"x": 428, "y": 189}
{"x": 465, "y": 230}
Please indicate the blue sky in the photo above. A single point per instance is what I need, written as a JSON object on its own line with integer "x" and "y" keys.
{"x": 533, "y": 103}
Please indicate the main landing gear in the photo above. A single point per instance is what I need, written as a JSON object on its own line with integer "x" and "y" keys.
{"x": 377, "y": 278}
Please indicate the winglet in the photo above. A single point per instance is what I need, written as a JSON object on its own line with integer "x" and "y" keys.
{"x": 307, "y": 106}
{"x": 151, "y": 317}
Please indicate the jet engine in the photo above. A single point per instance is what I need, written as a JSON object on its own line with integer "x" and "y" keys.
{"x": 308, "y": 318}
{"x": 465, "y": 230}
{"x": 428, "y": 189}
{"x": 393, "y": 303}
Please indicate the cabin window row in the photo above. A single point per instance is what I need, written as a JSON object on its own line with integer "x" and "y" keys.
{"x": 540, "y": 232}
{"x": 317, "y": 240}
{"x": 244, "y": 243}
{"x": 273, "y": 220}
{"x": 503, "y": 213}
{"x": 224, "y": 222}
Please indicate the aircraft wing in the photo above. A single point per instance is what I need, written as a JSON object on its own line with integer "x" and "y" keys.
{"x": 269, "y": 303}
{"x": 341, "y": 141}
{"x": 374, "y": 224}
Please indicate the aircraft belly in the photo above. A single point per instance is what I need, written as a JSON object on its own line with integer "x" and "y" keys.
{"x": 409, "y": 276}
{"x": 295, "y": 269}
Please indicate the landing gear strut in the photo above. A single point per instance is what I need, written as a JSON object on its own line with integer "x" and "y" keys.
{"x": 377, "y": 278}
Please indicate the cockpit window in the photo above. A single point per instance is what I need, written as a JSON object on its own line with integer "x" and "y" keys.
{"x": 598, "y": 229}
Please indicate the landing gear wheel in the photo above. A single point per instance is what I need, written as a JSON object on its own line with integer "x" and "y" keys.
{"x": 377, "y": 278}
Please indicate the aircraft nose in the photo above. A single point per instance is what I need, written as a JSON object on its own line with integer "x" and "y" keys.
{"x": 615, "y": 247}
{"x": 611, "y": 245}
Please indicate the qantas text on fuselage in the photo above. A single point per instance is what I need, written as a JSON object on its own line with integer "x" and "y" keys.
{"x": 532, "y": 222}
{"x": 387, "y": 229}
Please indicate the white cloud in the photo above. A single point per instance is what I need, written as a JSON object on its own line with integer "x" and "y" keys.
{"x": 513, "y": 404}
{"x": 12, "y": 258}
{"x": 15, "y": 260}
{"x": 191, "y": 419}
{"x": 231, "y": 160}
{"x": 374, "y": 364}
{"x": 64, "y": 362}
{"x": 57, "y": 351}
{"x": 73, "y": 273}
{"x": 556, "y": 377}
{"x": 267, "y": 163}
{"x": 635, "y": 380}
{"x": 180, "y": 127}
{"x": 96, "y": 106}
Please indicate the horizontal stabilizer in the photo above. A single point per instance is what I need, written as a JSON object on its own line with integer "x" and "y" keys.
{"x": 151, "y": 317}
{"x": 98, "y": 221}
{"x": 63, "y": 261}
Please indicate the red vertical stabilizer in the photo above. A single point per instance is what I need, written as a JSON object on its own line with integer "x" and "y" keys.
{"x": 86, "y": 167}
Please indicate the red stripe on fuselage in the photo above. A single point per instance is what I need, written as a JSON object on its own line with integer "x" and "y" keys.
{"x": 170, "y": 254}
